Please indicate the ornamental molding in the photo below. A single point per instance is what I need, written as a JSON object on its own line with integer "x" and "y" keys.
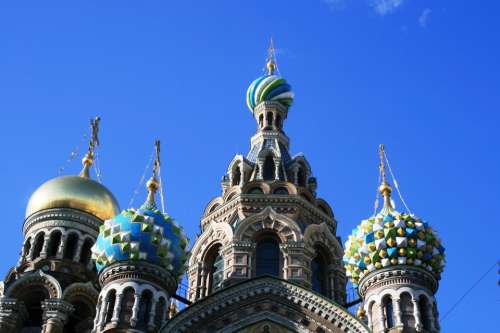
{"x": 38, "y": 278}
{"x": 63, "y": 217}
{"x": 398, "y": 275}
{"x": 273, "y": 287}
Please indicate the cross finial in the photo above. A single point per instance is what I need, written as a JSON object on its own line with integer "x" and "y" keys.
{"x": 384, "y": 188}
{"x": 88, "y": 159}
{"x": 153, "y": 184}
{"x": 271, "y": 58}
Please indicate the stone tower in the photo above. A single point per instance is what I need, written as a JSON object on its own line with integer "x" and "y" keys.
{"x": 140, "y": 256}
{"x": 268, "y": 219}
{"x": 396, "y": 260}
{"x": 52, "y": 288}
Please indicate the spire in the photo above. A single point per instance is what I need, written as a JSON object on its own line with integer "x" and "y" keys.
{"x": 271, "y": 58}
{"x": 385, "y": 189}
{"x": 153, "y": 184}
{"x": 88, "y": 159}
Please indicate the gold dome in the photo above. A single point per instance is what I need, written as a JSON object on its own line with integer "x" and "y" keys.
{"x": 74, "y": 192}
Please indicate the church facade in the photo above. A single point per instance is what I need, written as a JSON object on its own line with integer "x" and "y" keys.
{"x": 268, "y": 257}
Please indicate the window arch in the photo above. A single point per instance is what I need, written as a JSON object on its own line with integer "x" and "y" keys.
{"x": 145, "y": 305}
{"x": 54, "y": 243}
{"x": 70, "y": 246}
{"x": 267, "y": 256}
{"x": 269, "y": 118}
{"x": 424, "y": 314}
{"x": 86, "y": 251}
{"x": 38, "y": 246}
{"x": 407, "y": 313}
{"x": 319, "y": 275}
{"x": 388, "y": 312}
{"x": 214, "y": 262}
{"x": 110, "y": 305}
{"x": 268, "y": 169}
{"x": 127, "y": 304}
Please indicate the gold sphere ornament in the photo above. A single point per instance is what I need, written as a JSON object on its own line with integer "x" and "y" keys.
{"x": 401, "y": 232}
{"x": 372, "y": 247}
{"x": 378, "y": 265}
{"x": 367, "y": 260}
{"x": 394, "y": 261}
{"x": 391, "y": 242}
{"x": 382, "y": 253}
{"x": 412, "y": 242}
{"x": 420, "y": 254}
{"x": 402, "y": 252}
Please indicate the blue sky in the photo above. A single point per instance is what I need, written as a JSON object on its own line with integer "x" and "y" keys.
{"x": 420, "y": 76}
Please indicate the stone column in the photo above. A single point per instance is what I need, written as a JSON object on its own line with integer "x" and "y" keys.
{"x": 381, "y": 318}
{"x": 135, "y": 310}
{"x": 43, "y": 253}
{"x": 416, "y": 315}
{"x": 152, "y": 313}
{"x": 277, "y": 167}
{"x": 398, "y": 320}
{"x": 60, "y": 250}
{"x": 78, "y": 252}
{"x": 55, "y": 315}
{"x": 260, "y": 164}
{"x": 116, "y": 311}
{"x": 295, "y": 173}
{"x": 12, "y": 315}
{"x": 369, "y": 317}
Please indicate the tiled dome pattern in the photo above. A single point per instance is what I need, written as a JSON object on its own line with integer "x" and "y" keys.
{"x": 392, "y": 239}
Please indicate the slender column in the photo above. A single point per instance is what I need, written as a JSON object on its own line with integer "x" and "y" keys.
{"x": 430, "y": 315}
{"x": 277, "y": 167}
{"x": 260, "y": 164}
{"x": 102, "y": 314}
{"x": 116, "y": 311}
{"x": 135, "y": 310}
{"x": 32, "y": 249}
{"x": 78, "y": 250}
{"x": 416, "y": 315}
{"x": 60, "y": 250}
{"x": 55, "y": 315}
{"x": 398, "y": 320}
{"x": 369, "y": 317}
{"x": 381, "y": 318}
{"x": 97, "y": 314}
{"x": 43, "y": 253}
{"x": 151, "y": 322}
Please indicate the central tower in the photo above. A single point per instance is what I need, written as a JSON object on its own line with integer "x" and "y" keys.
{"x": 268, "y": 219}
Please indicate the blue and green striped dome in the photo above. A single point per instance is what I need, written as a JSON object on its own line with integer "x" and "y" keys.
{"x": 269, "y": 88}
{"x": 142, "y": 235}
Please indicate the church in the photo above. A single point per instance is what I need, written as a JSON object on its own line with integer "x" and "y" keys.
{"x": 268, "y": 258}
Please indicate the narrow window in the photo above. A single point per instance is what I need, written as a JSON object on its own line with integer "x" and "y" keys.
{"x": 318, "y": 268}
{"x": 127, "y": 305}
{"x": 269, "y": 119}
{"x": 110, "y": 305}
{"x": 388, "y": 309}
{"x": 54, "y": 243}
{"x": 38, "y": 245}
{"x": 160, "y": 312}
{"x": 70, "y": 246}
{"x": 268, "y": 173}
{"x": 267, "y": 255}
{"x": 145, "y": 308}
{"x": 236, "y": 178}
{"x": 86, "y": 251}
{"x": 215, "y": 263}
{"x": 422, "y": 307}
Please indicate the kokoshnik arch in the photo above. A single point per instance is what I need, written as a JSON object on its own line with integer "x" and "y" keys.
{"x": 268, "y": 258}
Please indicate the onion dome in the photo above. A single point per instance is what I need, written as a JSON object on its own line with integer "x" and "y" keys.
{"x": 269, "y": 87}
{"x": 144, "y": 234}
{"x": 76, "y": 192}
{"x": 390, "y": 239}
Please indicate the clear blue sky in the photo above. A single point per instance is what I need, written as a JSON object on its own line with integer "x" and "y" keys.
{"x": 420, "y": 76}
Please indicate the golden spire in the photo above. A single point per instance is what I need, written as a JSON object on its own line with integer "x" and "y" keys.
{"x": 271, "y": 58}
{"x": 153, "y": 184}
{"x": 384, "y": 188}
{"x": 88, "y": 159}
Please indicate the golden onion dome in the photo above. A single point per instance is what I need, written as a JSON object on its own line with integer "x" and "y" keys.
{"x": 76, "y": 192}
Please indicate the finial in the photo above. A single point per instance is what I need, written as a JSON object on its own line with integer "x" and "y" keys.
{"x": 172, "y": 310}
{"x": 360, "y": 313}
{"x": 384, "y": 188}
{"x": 88, "y": 159}
{"x": 153, "y": 184}
{"x": 271, "y": 58}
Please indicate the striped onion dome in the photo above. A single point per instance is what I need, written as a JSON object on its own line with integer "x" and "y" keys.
{"x": 269, "y": 87}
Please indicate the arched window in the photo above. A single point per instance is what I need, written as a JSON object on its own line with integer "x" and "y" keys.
{"x": 160, "y": 311}
{"x": 26, "y": 248}
{"x": 255, "y": 190}
{"x": 144, "y": 308}
{"x": 70, "y": 246}
{"x": 424, "y": 314}
{"x": 267, "y": 256}
{"x": 278, "y": 121}
{"x": 268, "y": 170}
{"x": 388, "y": 312}
{"x": 54, "y": 243}
{"x": 319, "y": 278}
{"x": 215, "y": 265}
{"x": 269, "y": 118}
{"x": 281, "y": 190}
{"x": 86, "y": 251}
{"x": 236, "y": 177}
{"x": 406, "y": 307}
{"x": 110, "y": 305}
{"x": 127, "y": 305}
{"x": 32, "y": 298}
{"x": 261, "y": 120}
{"x": 38, "y": 245}
{"x": 301, "y": 177}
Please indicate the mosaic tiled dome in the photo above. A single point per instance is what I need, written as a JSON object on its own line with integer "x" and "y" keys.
{"x": 390, "y": 239}
{"x": 143, "y": 234}
{"x": 269, "y": 88}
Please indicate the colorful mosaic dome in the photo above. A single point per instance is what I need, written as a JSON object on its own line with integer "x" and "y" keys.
{"x": 144, "y": 234}
{"x": 389, "y": 239}
{"x": 269, "y": 87}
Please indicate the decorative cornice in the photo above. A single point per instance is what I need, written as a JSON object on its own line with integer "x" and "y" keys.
{"x": 398, "y": 275}
{"x": 62, "y": 215}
